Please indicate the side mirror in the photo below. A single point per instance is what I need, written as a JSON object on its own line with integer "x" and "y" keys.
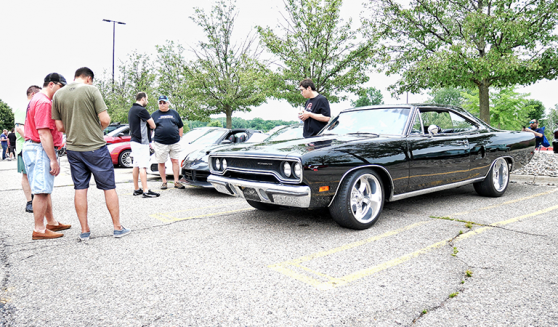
{"x": 120, "y": 135}
{"x": 433, "y": 130}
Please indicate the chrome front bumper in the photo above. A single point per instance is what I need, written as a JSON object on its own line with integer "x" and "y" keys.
{"x": 285, "y": 195}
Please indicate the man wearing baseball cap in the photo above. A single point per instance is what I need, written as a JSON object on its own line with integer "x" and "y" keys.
{"x": 168, "y": 131}
{"x": 42, "y": 139}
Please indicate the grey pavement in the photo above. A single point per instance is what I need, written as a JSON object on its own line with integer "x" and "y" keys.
{"x": 199, "y": 258}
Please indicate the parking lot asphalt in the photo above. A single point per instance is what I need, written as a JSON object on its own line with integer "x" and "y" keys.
{"x": 196, "y": 257}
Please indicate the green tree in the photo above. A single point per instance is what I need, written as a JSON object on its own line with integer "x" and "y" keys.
{"x": 537, "y": 111}
{"x": 225, "y": 77}
{"x": 136, "y": 74}
{"x": 314, "y": 42}
{"x": 467, "y": 43}
{"x": 371, "y": 96}
{"x": 6, "y": 116}
{"x": 215, "y": 123}
{"x": 447, "y": 96}
{"x": 508, "y": 109}
{"x": 551, "y": 123}
{"x": 172, "y": 71}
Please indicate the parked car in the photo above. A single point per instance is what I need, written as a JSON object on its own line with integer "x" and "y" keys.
{"x": 195, "y": 169}
{"x": 120, "y": 134}
{"x": 111, "y": 127}
{"x": 194, "y": 139}
{"x": 555, "y": 142}
{"x": 366, "y": 156}
{"x": 62, "y": 148}
{"x": 121, "y": 154}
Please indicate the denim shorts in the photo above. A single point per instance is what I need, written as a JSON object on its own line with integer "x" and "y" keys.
{"x": 97, "y": 162}
{"x": 37, "y": 165}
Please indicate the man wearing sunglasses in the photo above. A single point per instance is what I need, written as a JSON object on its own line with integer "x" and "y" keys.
{"x": 534, "y": 128}
{"x": 168, "y": 131}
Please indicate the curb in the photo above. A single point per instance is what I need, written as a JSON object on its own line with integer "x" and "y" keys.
{"x": 531, "y": 179}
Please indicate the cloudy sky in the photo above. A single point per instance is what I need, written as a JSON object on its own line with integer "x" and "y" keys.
{"x": 40, "y": 37}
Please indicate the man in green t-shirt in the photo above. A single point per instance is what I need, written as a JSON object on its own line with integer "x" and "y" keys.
{"x": 80, "y": 111}
{"x": 19, "y": 119}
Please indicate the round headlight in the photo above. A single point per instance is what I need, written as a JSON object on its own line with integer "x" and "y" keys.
{"x": 224, "y": 164}
{"x": 297, "y": 169}
{"x": 287, "y": 169}
{"x": 218, "y": 164}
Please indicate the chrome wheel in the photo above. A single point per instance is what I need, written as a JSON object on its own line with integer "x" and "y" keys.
{"x": 125, "y": 159}
{"x": 366, "y": 198}
{"x": 500, "y": 175}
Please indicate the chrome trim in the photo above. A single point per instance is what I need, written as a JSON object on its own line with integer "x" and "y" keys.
{"x": 434, "y": 189}
{"x": 285, "y": 195}
{"x": 360, "y": 167}
{"x": 276, "y": 174}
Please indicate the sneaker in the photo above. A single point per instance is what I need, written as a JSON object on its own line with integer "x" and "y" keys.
{"x": 123, "y": 232}
{"x": 164, "y": 186}
{"x": 150, "y": 194}
{"x": 29, "y": 207}
{"x": 84, "y": 237}
{"x": 138, "y": 192}
{"x": 179, "y": 185}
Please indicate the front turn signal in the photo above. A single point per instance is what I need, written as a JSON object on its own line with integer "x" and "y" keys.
{"x": 324, "y": 188}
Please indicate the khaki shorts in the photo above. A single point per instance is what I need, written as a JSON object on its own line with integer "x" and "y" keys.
{"x": 162, "y": 151}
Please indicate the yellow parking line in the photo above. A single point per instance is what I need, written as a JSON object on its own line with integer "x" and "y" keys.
{"x": 507, "y": 202}
{"x": 336, "y": 282}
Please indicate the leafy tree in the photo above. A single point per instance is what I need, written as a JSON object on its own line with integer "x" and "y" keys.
{"x": 314, "y": 42}
{"x": 172, "y": 69}
{"x": 551, "y": 122}
{"x": 538, "y": 109}
{"x": 6, "y": 116}
{"x": 467, "y": 43}
{"x": 137, "y": 74}
{"x": 370, "y": 97}
{"x": 447, "y": 96}
{"x": 225, "y": 78}
{"x": 215, "y": 123}
{"x": 508, "y": 110}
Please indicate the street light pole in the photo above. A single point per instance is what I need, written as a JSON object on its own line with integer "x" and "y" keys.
{"x": 113, "y": 35}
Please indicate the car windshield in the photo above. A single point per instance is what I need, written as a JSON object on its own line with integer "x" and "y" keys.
{"x": 287, "y": 133}
{"x": 210, "y": 138}
{"x": 369, "y": 121}
{"x": 121, "y": 129}
{"x": 194, "y": 134}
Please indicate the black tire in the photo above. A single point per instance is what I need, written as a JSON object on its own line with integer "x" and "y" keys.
{"x": 124, "y": 159}
{"x": 359, "y": 201}
{"x": 264, "y": 206}
{"x": 496, "y": 182}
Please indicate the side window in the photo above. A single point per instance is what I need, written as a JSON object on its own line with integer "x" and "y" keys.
{"x": 441, "y": 119}
{"x": 460, "y": 124}
{"x": 417, "y": 127}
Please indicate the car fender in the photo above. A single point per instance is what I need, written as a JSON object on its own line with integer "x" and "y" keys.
{"x": 384, "y": 174}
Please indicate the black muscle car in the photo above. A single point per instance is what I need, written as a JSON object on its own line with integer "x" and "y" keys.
{"x": 369, "y": 155}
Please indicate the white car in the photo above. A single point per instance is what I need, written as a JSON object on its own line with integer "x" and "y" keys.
{"x": 191, "y": 141}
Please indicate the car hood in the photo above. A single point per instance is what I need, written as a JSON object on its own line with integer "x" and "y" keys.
{"x": 295, "y": 148}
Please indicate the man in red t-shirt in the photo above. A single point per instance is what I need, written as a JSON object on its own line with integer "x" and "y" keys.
{"x": 39, "y": 154}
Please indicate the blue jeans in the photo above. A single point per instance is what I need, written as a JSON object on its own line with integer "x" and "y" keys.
{"x": 4, "y": 147}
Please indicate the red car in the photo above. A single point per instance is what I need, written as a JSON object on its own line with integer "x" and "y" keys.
{"x": 121, "y": 134}
{"x": 120, "y": 154}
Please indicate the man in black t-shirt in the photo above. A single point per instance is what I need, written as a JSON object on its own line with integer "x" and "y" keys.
{"x": 316, "y": 111}
{"x": 141, "y": 124}
{"x": 168, "y": 131}
{"x": 12, "y": 145}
